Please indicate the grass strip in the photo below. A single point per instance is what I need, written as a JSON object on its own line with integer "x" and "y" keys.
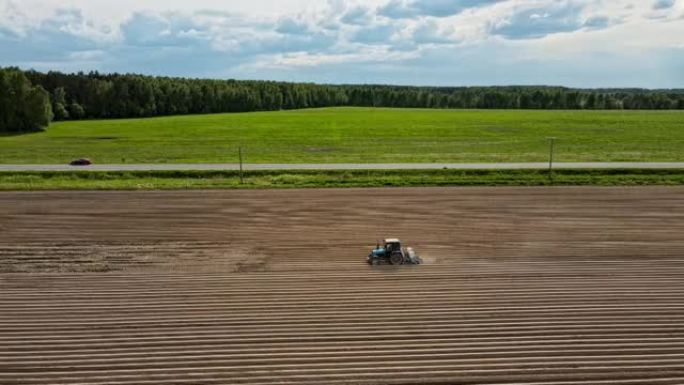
{"x": 161, "y": 180}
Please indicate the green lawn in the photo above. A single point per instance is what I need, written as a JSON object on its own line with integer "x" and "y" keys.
{"x": 361, "y": 135}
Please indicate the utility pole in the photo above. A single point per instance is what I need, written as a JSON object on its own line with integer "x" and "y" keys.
{"x": 551, "y": 148}
{"x": 242, "y": 177}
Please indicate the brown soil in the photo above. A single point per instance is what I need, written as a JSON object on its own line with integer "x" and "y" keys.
{"x": 521, "y": 286}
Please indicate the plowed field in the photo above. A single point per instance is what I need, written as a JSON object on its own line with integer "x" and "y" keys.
{"x": 521, "y": 286}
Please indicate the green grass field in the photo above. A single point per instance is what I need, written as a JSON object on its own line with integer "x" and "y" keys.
{"x": 153, "y": 180}
{"x": 360, "y": 135}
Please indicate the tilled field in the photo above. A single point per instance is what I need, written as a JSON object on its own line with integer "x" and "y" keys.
{"x": 521, "y": 286}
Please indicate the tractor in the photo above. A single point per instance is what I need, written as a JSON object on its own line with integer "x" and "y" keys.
{"x": 393, "y": 253}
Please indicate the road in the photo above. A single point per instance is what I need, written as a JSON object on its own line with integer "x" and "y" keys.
{"x": 537, "y": 286}
{"x": 343, "y": 166}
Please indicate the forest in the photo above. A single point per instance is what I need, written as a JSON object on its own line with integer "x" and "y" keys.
{"x": 31, "y": 99}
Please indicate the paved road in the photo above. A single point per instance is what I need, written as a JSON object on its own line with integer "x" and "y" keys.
{"x": 344, "y": 166}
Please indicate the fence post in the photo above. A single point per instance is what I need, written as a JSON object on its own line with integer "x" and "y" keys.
{"x": 551, "y": 148}
{"x": 242, "y": 178}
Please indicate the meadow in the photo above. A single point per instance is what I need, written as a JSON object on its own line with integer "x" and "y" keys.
{"x": 359, "y": 135}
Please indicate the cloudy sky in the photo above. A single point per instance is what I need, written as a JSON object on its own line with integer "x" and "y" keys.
{"x": 582, "y": 43}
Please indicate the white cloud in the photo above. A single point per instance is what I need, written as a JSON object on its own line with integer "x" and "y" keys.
{"x": 295, "y": 38}
{"x": 305, "y": 59}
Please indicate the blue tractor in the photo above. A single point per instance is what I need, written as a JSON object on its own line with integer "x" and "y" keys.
{"x": 393, "y": 253}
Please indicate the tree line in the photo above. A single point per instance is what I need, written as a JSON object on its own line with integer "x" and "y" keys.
{"x": 34, "y": 98}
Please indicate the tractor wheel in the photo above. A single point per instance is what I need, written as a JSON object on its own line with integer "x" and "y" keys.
{"x": 396, "y": 259}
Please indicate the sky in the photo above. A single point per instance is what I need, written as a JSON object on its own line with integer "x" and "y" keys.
{"x": 575, "y": 43}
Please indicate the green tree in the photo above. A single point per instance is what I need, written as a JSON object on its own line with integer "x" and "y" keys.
{"x": 23, "y": 106}
{"x": 76, "y": 111}
{"x": 59, "y": 104}
{"x": 37, "y": 109}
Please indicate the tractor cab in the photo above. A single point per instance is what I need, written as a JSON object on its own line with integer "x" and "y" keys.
{"x": 387, "y": 247}
{"x": 393, "y": 253}
{"x": 392, "y": 245}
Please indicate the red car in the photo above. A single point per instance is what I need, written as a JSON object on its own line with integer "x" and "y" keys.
{"x": 81, "y": 162}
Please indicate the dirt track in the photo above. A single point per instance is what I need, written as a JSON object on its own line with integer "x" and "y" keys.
{"x": 522, "y": 286}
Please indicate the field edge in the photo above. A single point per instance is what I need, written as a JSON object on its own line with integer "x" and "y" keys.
{"x": 179, "y": 180}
